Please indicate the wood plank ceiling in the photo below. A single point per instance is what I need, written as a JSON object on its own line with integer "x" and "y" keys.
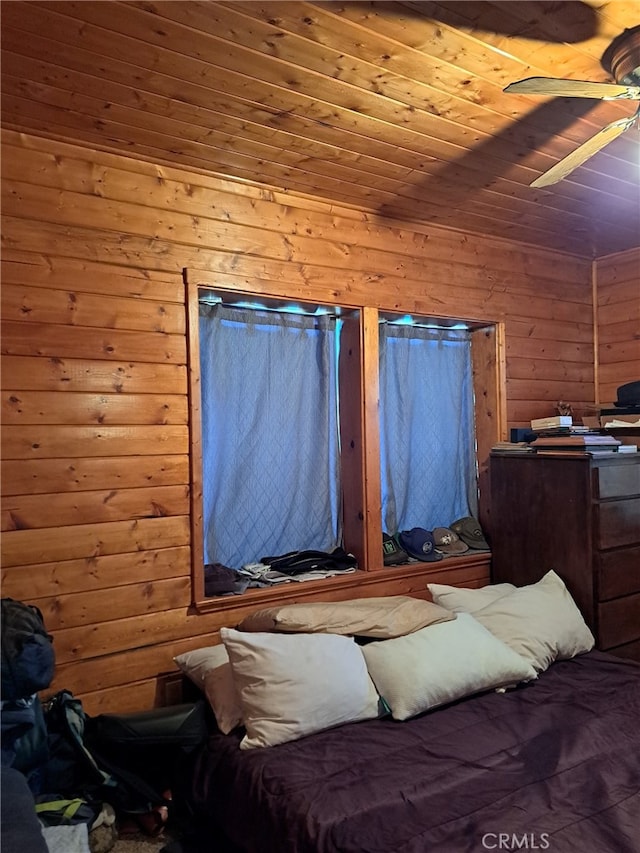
{"x": 395, "y": 108}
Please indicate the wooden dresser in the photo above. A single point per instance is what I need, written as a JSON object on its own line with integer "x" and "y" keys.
{"x": 579, "y": 515}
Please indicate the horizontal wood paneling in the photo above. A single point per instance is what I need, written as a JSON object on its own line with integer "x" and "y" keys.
{"x": 28, "y": 270}
{"x": 38, "y": 373}
{"x": 43, "y": 339}
{"x": 618, "y": 278}
{"x": 248, "y": 213}
{"x": 47, "y": 407}
{"x": 95, "y": 444}
{"x": 25, "y": 547}
{"x": 25, "y": 512}
{"x": 42, "y": 442}
{"x": 41, "y": 476}
{"x": 37, "y": 304}
{"x": 283, "y": 246}
{"x": 92, "y": 608}
{"x": 95, "y": 572}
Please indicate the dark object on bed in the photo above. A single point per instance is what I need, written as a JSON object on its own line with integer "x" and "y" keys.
{"x": 554, "y": 764}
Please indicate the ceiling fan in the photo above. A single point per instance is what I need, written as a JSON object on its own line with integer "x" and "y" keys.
{"x": 622, "y": 60}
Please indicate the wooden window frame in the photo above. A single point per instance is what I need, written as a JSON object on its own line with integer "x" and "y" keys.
{"x": 360, "y": 446}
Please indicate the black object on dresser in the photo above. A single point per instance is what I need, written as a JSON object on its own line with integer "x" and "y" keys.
{"x": 580, "y": 515}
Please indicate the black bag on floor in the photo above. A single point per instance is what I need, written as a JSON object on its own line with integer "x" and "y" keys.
{"x": 147, "y": 751}
{"x": 126, "y": 760}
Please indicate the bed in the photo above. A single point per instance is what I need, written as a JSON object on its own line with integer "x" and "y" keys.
{"x": 548, "y": 763}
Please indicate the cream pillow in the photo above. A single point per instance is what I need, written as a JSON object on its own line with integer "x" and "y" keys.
{"x": 541, "y": 622}
{"x": 388, "y": 616}
{"x": 292, "y": 686}
{"x": 462, "y": 600}
{"x": 440, "y": 664}
{"x": 210, "y": 670}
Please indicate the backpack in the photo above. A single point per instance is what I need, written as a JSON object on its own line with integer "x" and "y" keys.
{"x": 28, "y": 663}
{"x": 71, "y": 769}
{"x": 75, "y": 769}
{"x": 130, "y": 761}
{"x": 28, "y": 658}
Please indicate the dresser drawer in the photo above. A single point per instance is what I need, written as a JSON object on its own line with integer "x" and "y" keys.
{"x": 631, "y": 651}
{"x": 619, "y": 621}
{"x": 617, "y": 481}
{"x": 618, "y": 572}
{"x": 617, "y": 523}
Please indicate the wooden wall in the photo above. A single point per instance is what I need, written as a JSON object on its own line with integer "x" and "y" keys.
{"x": 618, "y": 332}
{"x": 95, "y": 443}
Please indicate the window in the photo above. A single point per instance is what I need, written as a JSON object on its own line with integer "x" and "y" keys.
{"x": 427, "y": 430}
{"x": 299, "y": 420}
{"x": 269, "y": 432}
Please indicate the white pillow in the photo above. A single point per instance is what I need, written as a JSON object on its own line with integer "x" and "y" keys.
{"x": 540, "y": 621}
{"x": 441, "y": 663}
{"x": 210, "y": 670}
{"x": 291, "y": 685}
{"x": 461, "y": 600}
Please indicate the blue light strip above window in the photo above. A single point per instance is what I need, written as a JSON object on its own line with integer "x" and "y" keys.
{"x": 206, "y": 298}
{"x": 408, "y": 320}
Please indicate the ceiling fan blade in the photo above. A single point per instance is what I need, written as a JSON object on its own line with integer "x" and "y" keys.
{"x": 565, "y": 166}
{"x": 573, "y": 89}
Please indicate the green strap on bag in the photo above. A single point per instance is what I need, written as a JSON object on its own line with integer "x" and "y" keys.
{"x": 61, "y": 811}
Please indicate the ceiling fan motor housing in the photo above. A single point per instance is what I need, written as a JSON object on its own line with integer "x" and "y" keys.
{"x": 622, "y": 58}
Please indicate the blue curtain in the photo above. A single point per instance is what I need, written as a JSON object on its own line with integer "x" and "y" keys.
{"x": 427, "y": 431}
{"x": 269, "y": 433}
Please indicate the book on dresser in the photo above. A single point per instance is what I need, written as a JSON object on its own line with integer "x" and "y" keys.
{"x": 551, "y": 422}
{"x": 576, "y": 441}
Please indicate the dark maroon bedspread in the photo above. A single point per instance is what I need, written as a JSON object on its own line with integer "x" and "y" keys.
{"x": 554, "y": 765}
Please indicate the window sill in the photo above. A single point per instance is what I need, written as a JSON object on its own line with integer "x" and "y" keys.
{"x": 408, "y": 579}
